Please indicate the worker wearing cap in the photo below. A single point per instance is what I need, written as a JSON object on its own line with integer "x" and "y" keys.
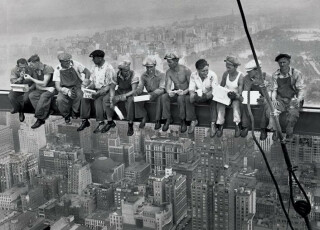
{"x": 201, "y": 84}
{"x": 67, "y": 78}
{"x": 19, "y": 99}
{"x": 252, "y": 82}
{"x": 287, "y": 93}
{"x": 177, "y": 76}
{"x": 232, "y": 79}
{"x": 127, "y": 82}
{"x": 41, "y": 98}
{"x": 102, "y": 74}
{"x": 154, "y": 81}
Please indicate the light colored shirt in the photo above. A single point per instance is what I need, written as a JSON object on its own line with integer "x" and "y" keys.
{"x": 102, "y": 76}
{"x": 156, "y": 81}
{"x": 297, "y": 81}
{"x": 206, "y": 85}
{"x": 74, "y": 64}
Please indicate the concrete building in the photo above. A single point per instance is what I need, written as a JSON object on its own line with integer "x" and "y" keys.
{"x": 32, "y": 140}
{"x": 79, "y": 176}
{"x": 245, "y": 205}
{"x": 123, "y": 153}
{"x": 97, "y": 220}
{"x": 5, "y": 172}
{"x": 138, "y": 172}
{"x": 105, "y": 197}
{"x": 6, "y": 139}
{"x": 9, "y": 198}
{"x": 32, "y": 199}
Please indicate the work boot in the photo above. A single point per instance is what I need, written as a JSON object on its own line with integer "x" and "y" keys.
{"x": 220, "y": 130}
{"x": 157, "y": 125}
{"x": 165, "y": 127}
{"x": 192, "y": 126}
{"x": 183, "y": 127}
{"x": 263, "y": 134}
{"x": 143, "y": 122}
{"x": 213, "y": 129}
{"x": 130, "y": 129}
{"x": 99, "y": 127}
{"x": 21, "y": 116}
{"x": 85, "y": 123}
{"x": 67, "y": 119}
{"x": 38, "y": 123}
{"x": 275, "y": 136}
{"x": 108, "y": 126}
{"x": 244, "y": 132}
{"x": 237, "y": 131}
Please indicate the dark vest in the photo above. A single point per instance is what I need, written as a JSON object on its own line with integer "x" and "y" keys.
{"x": 69, "y": 78}
{"x": 124, "y": 84}
{"x": 40, "y": 76}
{"x": 285, "y": 89}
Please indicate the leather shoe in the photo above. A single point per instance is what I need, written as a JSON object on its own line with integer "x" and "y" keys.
{"x": 213, "y": 129}
{"x": 38, "y": 123}
{"x": 143, "y": 122}
{"x": 157, "y": 125}
{"x": 130, "y": 130}
{"x": 244, "y": 132}
{"x": 166, "y": 125}
{"x": 67, "y": 120}
{"x": 99, "y": 127}
{"x": 263, "y": 134}
{"x": 192, "y": 126}
{"x": 183, "y": 127}
{"x": 108, "y": 126}
{"x": 21, "y": 116}
{"x": 85, "y": 123}
{"x": 220, "y": 131}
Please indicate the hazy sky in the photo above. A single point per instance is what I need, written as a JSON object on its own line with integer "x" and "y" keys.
{"x": 28, "y": 16}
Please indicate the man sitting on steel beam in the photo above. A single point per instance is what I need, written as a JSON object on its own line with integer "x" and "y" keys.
{"x": 41, "y": 98}
{"x": 19, "y": 99}
{"x": 154, "y": 81}
{"x": 179, "y": 76}
{"x": 67, "y": 78}
{"x": 287, "y": 93}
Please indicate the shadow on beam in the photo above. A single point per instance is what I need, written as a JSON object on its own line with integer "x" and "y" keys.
{"x": 308, "y": 124}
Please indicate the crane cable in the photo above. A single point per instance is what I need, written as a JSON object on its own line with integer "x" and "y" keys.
{"x": 302, "y": 207}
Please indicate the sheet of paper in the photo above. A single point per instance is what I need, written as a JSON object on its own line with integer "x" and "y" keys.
{"x": 141, "y": 98}
{"x": 220, "y": 94}
{"x": 118, "y": 112}
{"x": 20, "y": 87}
{"x": 254, "y": 95}
{"x": 87, "y": 93}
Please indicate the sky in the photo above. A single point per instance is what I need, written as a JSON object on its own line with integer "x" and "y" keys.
{"x": 34, "y": 16}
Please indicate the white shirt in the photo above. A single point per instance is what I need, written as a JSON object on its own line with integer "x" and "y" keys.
{"x": 76, "y": 65}
{"x": 206, "y": 85}
{"x": 102, "y": 76}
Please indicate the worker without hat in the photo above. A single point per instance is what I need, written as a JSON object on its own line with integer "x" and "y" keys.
{"x": 97, "y": 53}
{"x": 149, "y": 61}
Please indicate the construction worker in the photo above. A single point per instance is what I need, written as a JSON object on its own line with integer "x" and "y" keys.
{"x": 19, "y": 99}
{"x": 287, "y": 93}
{"x": 201, "y": 84}
{"x": 42, "y": 96}
{"x": 252, "y": 82}
{"x": 67, "y": 78}
{"x": 102, "y": 74}
{"x": 154, "y": 82}
{"x": 232, "y": 79}
{"x": 179, "y": 76}
{"x": 127, "y": 83}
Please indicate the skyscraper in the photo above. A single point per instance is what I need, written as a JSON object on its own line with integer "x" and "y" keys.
{"x": 121, "y": 152}
{"x": 31, "y": 140}
{"x": 79, "y": 176}
{"x": 245, "y": 206}
{"x": 6, "y": 139}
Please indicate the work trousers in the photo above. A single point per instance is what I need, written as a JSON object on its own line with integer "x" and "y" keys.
{"x": 245, "y": 118}
{"x": 68, "y": 106}
{"x": 191, "y": 110}
{"x": 129, "y": 106}
{"x": 18, "y": 100}
{"x": 222, "y": 112}
{"x": 99, "y": 105}
{"x": 180, "y": 99}
{"x": 41, "y": 102}
{"x": 141, "y": 112}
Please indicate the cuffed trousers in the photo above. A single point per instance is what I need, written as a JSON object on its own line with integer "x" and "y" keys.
{"x": 41, "y": 102}
{"x": 18, "y": 100}
{"x": 222, "y": 112}
{"x": 68, "y": 106}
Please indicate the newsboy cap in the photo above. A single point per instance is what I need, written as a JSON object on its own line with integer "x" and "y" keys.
{"x": 251, "y": 65}
{"x": 232, "y": 60}
{"x": 170, "y": 56}
{"x": 64, "y": 57}
{"x": 282, "y": 56}
{"x": 97, "y": 53}
{"x": 34, "y": 58}
{"x": 149, "y": 61}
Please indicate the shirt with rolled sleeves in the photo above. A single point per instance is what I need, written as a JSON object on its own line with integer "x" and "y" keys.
{"x": 206, "y": 85}
{"x": 125, "y": 83}
{"x": 155, "y": 83}
{"x": 102, "y": 76}
{"x": 15, "y": 74}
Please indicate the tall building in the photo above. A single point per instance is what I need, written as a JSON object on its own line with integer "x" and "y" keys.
{"x": 245, "y": 206}
{"x": 121, "y": 152}
{"x": 138, "y": 172}
{"x": 32, "y": 140}
{"x": 14, "y": 123}
{"x": 49, "y": 185}
{"x": 19, "y": 164}
{"x": 157, "y": 189}
{"x": 136, "y": 140}
{"x": 9, "y": 199}
{"x": 199, "y": 134}
{"x": 6, "y": 139}
{"x": 5, "y": 172}
{"x": 164, "y": 152}
{"x": 79, "y": 176}
{"x": 105, "y": 197}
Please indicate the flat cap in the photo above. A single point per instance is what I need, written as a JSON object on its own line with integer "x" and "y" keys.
{"x": 34, "y": 58}
{"x": 149, "y": 61}
{"x": 125, "y": 64}
{"x": 97, "y": 53}
{"x": 64, "y": 57}
{"x": 170, "y": 56}
{"x": 282, "y": 56}
{"x": 232, "y": 60}
{"x": 251, "y": 65}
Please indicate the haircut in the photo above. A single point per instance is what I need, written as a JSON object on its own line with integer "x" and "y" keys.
{"x": 22, "y": 61}
{"x": 201, "y": 63}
